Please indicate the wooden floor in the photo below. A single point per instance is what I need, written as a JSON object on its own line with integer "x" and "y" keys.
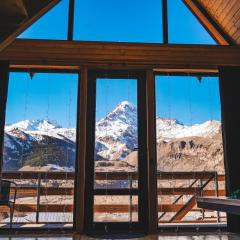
{"x": 173, "y": 236}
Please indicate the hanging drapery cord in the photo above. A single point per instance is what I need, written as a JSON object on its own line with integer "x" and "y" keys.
{"x": 129, "y": 173}
{"x": 170, "y": 117}
{"x": 160, "y": 169}
{"x": 95, "y": 199}
{"x": 218, "y": 216}
{"x": 197, "y": 183}
{"x": 106, "y": 134}
{"x": 67, "y": 154}
{"x": 47, "y": 152}
{"x": 192, "y": 182}
{"x": 26, "y": 101}
{"x": 94, "y": 168}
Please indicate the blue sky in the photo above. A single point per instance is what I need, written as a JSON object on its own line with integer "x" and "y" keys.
{"x": 187, "y": 99}
{"x": 46, "y": 96}
{"x": 53, "y": 96}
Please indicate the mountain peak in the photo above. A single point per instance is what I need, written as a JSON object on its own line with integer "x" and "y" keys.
{"x": 35, "y": 125}
{"x": 125, "y": 106}
{"x": 168, "y": 121}
{"x": 124, "y": 111}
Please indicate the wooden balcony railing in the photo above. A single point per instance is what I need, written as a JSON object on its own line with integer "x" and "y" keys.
{"x": 36, "y": 185}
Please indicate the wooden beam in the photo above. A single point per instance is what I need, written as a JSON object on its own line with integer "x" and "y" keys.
{"x": 98, "y": 208}
{"x": 110, "y": 175}
{"x": 120, "y": 55}
{"x": 35, "y": 10}
{"x": 184, "y": 210}
{"x": 165, "y": 20}
{"x": 70, "y": 19}
{"x": 116, "y": 191}
{"x": 4, "y": 78}
{"x": 152, "y": 155}
{"x": 143, "y": 178}
{"x": 31, "y": 191}
{"x": 79, "y": 199}
{"x": 181, "y": 71}
{"x": 44, "y": 68}
{"x": 208, "y": 23}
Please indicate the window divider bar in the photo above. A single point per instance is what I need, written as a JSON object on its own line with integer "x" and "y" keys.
{"x": 71, "y": 19}
{"x": 165, "y": 21}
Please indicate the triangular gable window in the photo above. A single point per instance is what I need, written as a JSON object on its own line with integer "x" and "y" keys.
{"x": 52, "y": 25}
{"x": 118, "y": 20}
{"x": 121, "y": 21}
{"x": 184, "y": 27}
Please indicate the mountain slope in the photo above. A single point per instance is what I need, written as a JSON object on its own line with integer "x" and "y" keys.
{"x": 38, "y": 143}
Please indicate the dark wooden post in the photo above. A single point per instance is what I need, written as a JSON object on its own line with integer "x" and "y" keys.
{"x": 4, "y": 77}
{"x": 151, "y": 143}
{"x": 79, "y": 204}
{"x": 165, "y": 21}
{"x": 230, "y": 100}
{"x": 70, "y": 20}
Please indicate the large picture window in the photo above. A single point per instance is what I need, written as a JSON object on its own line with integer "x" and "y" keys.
{"x": 40, "y": 146}
{"x": 189, "y": 149}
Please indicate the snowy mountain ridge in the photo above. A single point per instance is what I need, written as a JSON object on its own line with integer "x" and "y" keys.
{"x": 38, "y": 128}
{"x": 116, "y": 134}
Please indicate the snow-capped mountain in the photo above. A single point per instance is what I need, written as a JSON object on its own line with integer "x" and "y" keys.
{"x": 38, "y": 143}
{"x": 116, "y": 134}
{"x": 39, "y": 128}
{"x": 170, "y": 129}
{"x": 34, "y": 125}
{"x": 29, "y": 142}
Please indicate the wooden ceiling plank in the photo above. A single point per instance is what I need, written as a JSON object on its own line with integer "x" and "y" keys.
{"x": 220, "y": 8}
{"x": 237, "y": 14}
{"x": 229, "y": 11}
{"x": 234, "y": 29}
{"x": 227, "y": 15}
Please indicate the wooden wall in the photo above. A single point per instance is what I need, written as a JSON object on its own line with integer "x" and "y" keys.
{"x": 226, "y": 13}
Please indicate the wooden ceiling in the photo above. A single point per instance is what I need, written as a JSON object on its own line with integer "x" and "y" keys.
{"x": 17, "y": 15}
{"x": 223, "y": 15}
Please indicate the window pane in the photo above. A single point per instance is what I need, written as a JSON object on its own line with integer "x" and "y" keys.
{"x": 116, "y": 151}
{"x": 189, "y": 149}
{"x": 52, "y": 25}
{"x": 184, "y": 27}
{"x": 40, "y": 138}
{"x": 118, "y": 21}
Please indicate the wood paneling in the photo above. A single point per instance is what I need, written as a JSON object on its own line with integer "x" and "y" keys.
{"x": 120, "y": 55}
{"x": 226, "y": 14}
